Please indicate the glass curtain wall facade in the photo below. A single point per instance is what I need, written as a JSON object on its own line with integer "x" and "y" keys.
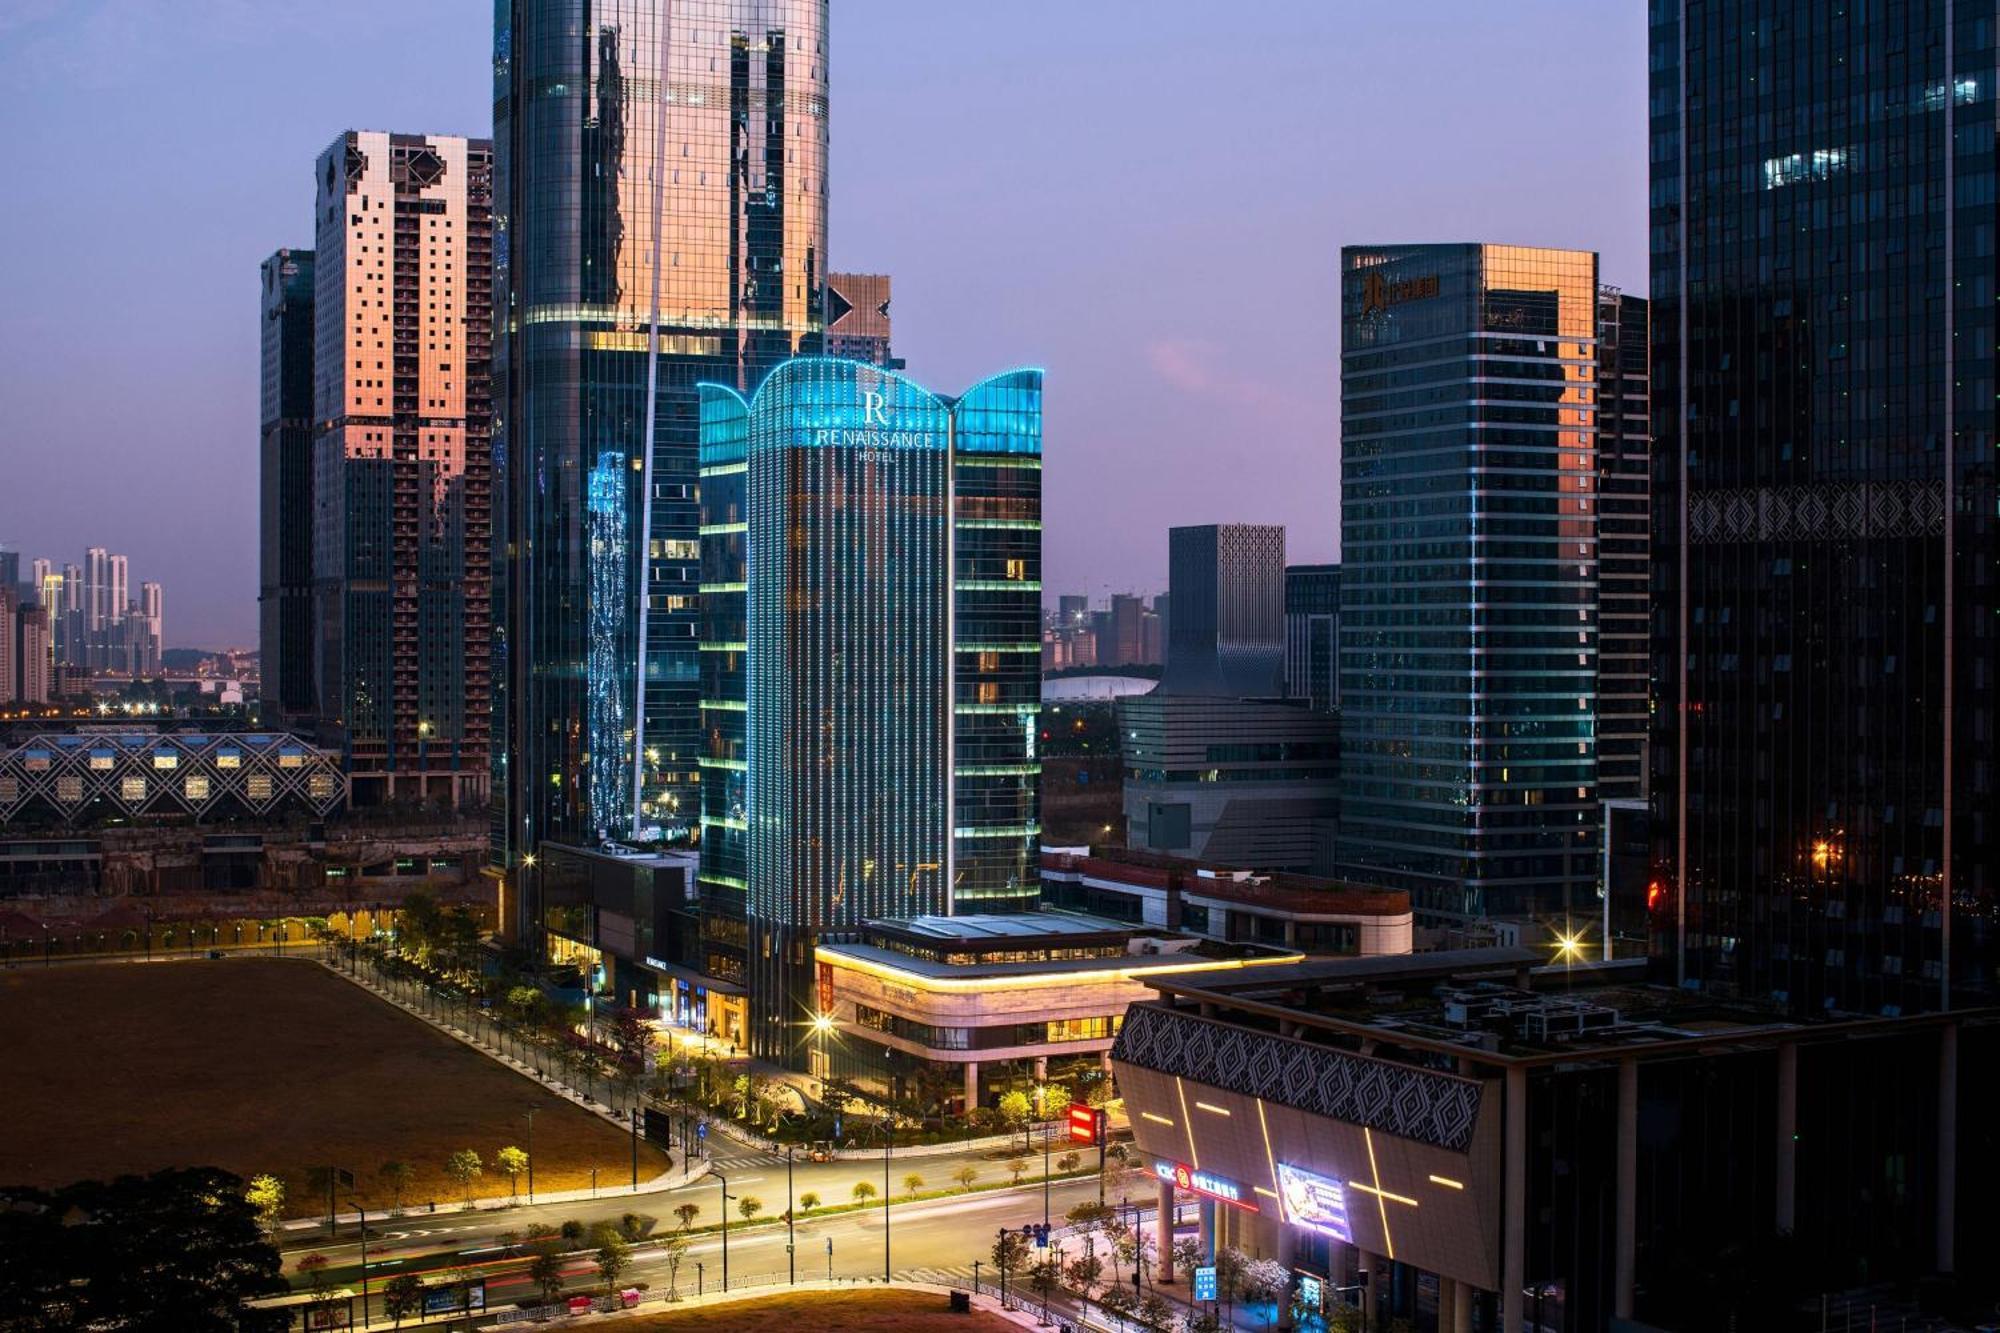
{"x": 402, "y": 469}
{"x": 662, "y": 185}
{"x": 1624, "y": 526}
{"x": 1226, "y": 636}
{"x": 1823, "y": 372}
{"x": 870, "y": 662}
{"x": 1469, "y": 577}
{"x": 285, "y": 474}
{"x": 1312, "y": 635}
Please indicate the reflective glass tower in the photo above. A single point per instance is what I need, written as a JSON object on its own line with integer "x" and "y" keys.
{"x": 871, "y": 583}
{"x": 662, "y": 221}
{"x": 1468, "y": 615}
{"x": 285, "y": 474}
{"x": 1825, "y": 531}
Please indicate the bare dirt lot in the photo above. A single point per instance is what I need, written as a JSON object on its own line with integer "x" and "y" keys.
{"x": 265, "y": 1065}
{"x": 824, "y": 1312}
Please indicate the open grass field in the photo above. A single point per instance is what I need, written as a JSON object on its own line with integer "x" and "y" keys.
{"x": 265, "y": 1065}
{"x": 824, "y": 1312}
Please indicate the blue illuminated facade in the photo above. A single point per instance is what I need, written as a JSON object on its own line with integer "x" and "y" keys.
{"x": 610, "y": 727}
{"x": 871, "y": 581}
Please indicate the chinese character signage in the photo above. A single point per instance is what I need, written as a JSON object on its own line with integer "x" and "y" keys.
{"x": 1184, "y": 1177}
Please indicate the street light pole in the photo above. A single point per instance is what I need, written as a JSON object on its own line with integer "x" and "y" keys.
{"x": 791, "y": 1236}
{"x": 531, "y": 1154}
{"x": 722, "y": 1182}
{"x": 888, "y": 1134}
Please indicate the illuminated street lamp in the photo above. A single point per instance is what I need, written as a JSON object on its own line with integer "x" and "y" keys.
{"x": 822, "y": 1024}
{"x": 1568, "y": 947}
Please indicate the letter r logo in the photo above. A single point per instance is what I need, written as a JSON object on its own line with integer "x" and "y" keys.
{"x": 873, "y": 411}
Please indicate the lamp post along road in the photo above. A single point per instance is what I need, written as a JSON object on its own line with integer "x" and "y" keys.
{"x": 531, "y": 1154}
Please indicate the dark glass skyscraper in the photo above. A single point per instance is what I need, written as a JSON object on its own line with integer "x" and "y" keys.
{"x": 871, "y": 584}
{"x": 662, "y": 221}
{"x": 1469, "y": 576}
{"x": 1226, "y": 636}
{"x": 285, "y": 476}
{"x": 1825, "y": 540}
{"x": 1624, "y": 529}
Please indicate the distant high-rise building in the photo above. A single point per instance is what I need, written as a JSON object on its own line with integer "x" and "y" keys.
{"x": 1128, "y": 630}
{"x": 285, "y": 473}
{"x": 34, "y": 662}
{"x": 1226, "y": 636}
{"x": 870, "y": 602}
{"x": 70, "y": 632}
{"x": 97, "y": 606}
{"x": 693, "y": 249}
{"x": 857, "y": 318}
{"x": 152, "y": 612}
{"x": 39, "y": 572}
{"x": 1468, "y": 634}
{"x": 10, "y": 568}
{"x": 402, "y": 473}
{"x": 1624, "y": 529}
{"x": 10, "y": 662}
{"x": 1073, "y": 612}
{"x": 1312, "y": 635}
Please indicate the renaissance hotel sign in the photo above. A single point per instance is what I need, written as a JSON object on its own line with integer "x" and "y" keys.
{"x": 879, "y": 430}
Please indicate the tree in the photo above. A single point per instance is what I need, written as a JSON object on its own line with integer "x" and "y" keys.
{"x": 266, "y": 1197}
{"x": 1264, "y": 1279}
{"x": 912, "y": 1183}
{"x": 1116, "y": 1302}
{"x": 808, "y": 1201}
{"x": 512, "y": 1163}
{"x": 403, "y": 1296}
{"x": 546, "y": 1271}
{"x": 965, "y": 1175}
{"x": 1205, "y": 1320}
{"x": 1155, "y": 1312}
{"x": 1068, "y": 1162}
{"x": 634, "y": 1226}
{"x": 749, "y": 1205}
{"x": 863, "y": 1191}
{"x": 687, "y": 1213}
{"x": 1084, "y": 1272}
{"x": 1045, "y": 1276}
{"x": 396, "y": 1175}
{"x": 179, "y": 1249}
{"x": 1055, "y": 1101}
{"x": 1018, "y": 1167}
{"x": 1010, "y": 1251}
{"x": 1014, "y": 1109}
{"x": 674, "y": 1249}
{"x": 1229, "y": 1265}
{"x": 1187, "y": 1254}
{"x": 462, "y": 1168}
{"x": 614, "y": 1253}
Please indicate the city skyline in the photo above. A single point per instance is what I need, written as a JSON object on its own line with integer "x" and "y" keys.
{"x": 1154, "y": 375}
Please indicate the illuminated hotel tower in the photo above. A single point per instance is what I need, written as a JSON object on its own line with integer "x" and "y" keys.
{"x": 871, "y": 671}
{"x": 661, "y": 199}
{"x": 402, "y": 472}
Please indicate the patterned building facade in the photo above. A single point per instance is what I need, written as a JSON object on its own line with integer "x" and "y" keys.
{"x": 402, "y": 469}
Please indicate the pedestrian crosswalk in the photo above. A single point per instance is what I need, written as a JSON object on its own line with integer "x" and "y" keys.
{"x": 942, "y": 1277}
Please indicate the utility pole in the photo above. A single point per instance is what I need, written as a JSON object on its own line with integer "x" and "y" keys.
{"x": 723, "y": 1181}
{"x": 635, "y": 1148}
{"x": 888, "y": 1134}
{"x": 791, "y": 1237}
{"x": 531, "y": 1154}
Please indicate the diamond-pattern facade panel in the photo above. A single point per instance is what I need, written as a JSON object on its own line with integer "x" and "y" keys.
{"x": 1428, "y": 1107}
{"x": 1831, "y": 512}
{"x": 83, "y": 774}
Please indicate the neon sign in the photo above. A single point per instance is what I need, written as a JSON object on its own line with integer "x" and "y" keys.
{"x": 1314, "y": 1202}
{"x": 1184, "y": 1177}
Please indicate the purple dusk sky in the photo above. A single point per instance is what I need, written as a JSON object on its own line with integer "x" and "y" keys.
{"x": 1147, "y": 197}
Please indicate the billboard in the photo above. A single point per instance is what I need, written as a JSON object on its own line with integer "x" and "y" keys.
{"x": 1313, "y": 1201}
{"x": 454, "y": 1297}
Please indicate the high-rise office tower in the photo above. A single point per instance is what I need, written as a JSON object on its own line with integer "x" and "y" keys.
{"x": 1468, "y": 635}
{"x": 871, "y": 583}
{"x": 117, "y": 590}
{"x": 285, "y": 475}
{"x": 97, "y": 610}
{"x": 1073, "y": 611}
{"x": 152, "y": 615}
{"x": 661, "y": 173}
{"x": 70, "y": 632}
{"x": 33, "y": 660}
{"x": 38, "y": 574}
{"x": 10, "y": 568}
{"x": 402, "y": 476}
{"x": 1312, "y": 635}
{"x": 1624, "y": 529}
{"x": 1825, "y": 762}
{"x": 10, "y": 662}
{"x": 1127, "y": 626}
{"x": 1226, "y": 636}
{"x": 857, "y": 318}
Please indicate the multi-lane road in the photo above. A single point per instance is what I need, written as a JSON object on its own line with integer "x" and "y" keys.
{"x": 936, "y": 1239}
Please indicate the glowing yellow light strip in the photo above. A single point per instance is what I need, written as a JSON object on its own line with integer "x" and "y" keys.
{"x": 1390, "y": 1195}
{"x": 974, "y": 985}
{"x": 1270, "y": 1160}
{"x": 1194, "y": 1153}
{"x": 1211, "y": 1108}
{"x": 1448, "y": 1182}
{"x": 1269, "y": 1194}
{"x": 1381, "y": 1197}
{"x": 1156, "y": 1119}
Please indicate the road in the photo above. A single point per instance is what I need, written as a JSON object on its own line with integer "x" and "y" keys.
{"x": 930, "y": 1239}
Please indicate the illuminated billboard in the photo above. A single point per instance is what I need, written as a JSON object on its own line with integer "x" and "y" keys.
{"x": 1313, "y": 1202}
